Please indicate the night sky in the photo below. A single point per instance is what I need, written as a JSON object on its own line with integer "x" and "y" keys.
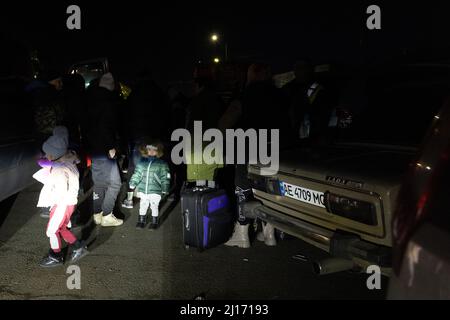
{"x": 169, "y": 37}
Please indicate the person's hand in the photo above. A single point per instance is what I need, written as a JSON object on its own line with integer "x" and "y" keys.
{"x": 112, "y": 153}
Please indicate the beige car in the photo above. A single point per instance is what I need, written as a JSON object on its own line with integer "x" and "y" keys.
{"x": 338, "y": 199}
{"x": 341, "y": 198}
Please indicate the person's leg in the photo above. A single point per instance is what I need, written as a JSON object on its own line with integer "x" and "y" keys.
{"x": 79, "y": 250}
{"x": 154, "y": 205}
{"x": 240, "y": 237}
{"x": 243, "y": 193}
{"x": 133, "y": 158}
{"x": 143, "y": 207}
{"x": 57, "y": 219}
{"x": 54, "y": 258}
{"x": 66, "y": 234}
{"x": 128, "y": 202}
{"x": 99, "y": 175}
{"x": 112, "y": 191}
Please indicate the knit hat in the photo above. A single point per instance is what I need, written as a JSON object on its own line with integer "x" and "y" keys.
{"x": 56, "y": 146}
{"x": 107, "y": 81}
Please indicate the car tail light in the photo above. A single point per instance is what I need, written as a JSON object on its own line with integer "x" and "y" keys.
{"x": 349, "y": 208}
{"x": 88, "y": 162}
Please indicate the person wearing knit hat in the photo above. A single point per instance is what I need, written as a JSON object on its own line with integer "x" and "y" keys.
{"x": 55, "y": 147}
{"x": 60, "y": 178}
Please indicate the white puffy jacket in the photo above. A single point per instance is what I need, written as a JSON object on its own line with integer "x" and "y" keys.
{"x": 61, "y": 182}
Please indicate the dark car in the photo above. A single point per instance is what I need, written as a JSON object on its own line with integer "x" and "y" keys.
{"x": 19, "y": 149}
{"x": 421, "y": 224}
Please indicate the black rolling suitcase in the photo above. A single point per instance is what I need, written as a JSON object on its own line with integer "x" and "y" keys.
{"x": 207, "y": 217}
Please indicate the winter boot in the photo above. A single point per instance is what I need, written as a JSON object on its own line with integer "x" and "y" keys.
{"x": 142, "y": 221}
{"x": 53, "y": 259}
{"x": 79, "y": 250}
{"x": 155, "y": 223}
{"x": 240, "y": 236}
{"x": 267, "y": 235}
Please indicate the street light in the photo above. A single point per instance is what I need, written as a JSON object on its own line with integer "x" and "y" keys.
{"x": 216, "y": 60}
{"x": 215, "y": 39}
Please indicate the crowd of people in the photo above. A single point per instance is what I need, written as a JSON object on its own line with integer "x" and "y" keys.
{"x": 123, "y": 140}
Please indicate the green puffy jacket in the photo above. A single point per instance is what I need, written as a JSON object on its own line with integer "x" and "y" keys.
{"x": 151, "y": 176}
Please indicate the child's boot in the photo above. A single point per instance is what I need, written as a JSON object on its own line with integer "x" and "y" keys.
{"x": 155, "y": 222}
{"x": 53, "y": 259}
{"x": 142, "y": 221}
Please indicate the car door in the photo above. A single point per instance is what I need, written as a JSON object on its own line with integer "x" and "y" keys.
{"x": 18, "y": 149}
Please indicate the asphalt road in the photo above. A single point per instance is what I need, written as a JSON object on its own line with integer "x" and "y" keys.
{"x": 125, "y": 263}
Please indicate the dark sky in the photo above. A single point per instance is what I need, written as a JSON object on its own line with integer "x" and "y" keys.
{"x": 170, "y": 36}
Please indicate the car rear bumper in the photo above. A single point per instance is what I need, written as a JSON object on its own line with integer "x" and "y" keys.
{"x": 337, "y": 244}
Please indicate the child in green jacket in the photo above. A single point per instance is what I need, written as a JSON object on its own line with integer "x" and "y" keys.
{"x": 151, "y": 179}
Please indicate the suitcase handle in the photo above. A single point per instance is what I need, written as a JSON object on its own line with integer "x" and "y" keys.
{"x": 186, "y": 220}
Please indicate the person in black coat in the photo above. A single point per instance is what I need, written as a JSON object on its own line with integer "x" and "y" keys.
{"x": 261, "y": 106}
{"x": 101, "y": 141}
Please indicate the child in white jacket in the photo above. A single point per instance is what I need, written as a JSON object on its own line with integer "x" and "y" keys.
{"x": 60, "y": 192}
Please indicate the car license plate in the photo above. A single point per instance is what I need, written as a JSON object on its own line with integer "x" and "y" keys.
{"x": 302, "y": 194}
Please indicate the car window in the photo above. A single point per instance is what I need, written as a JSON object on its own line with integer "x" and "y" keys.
{"x": 89, "y": 71}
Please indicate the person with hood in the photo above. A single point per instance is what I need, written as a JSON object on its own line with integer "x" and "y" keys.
{"x": 151, "y": 179}
{"x": 59, "y": 176}
{"x": 101, "y": 134}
